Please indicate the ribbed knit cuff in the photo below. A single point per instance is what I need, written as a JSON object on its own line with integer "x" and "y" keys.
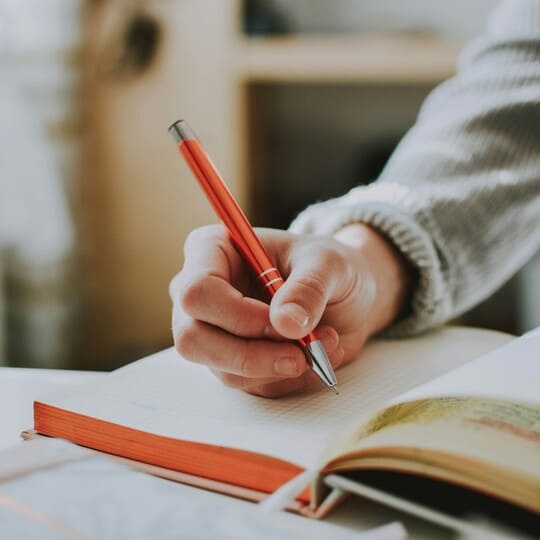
{"x": 392, "y": 210}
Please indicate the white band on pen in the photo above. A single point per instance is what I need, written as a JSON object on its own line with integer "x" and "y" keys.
{"x": 273, "y": 281}
{"x": 273, "y": 269}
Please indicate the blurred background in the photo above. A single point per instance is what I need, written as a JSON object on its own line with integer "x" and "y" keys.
{"x": 297, "y": 101}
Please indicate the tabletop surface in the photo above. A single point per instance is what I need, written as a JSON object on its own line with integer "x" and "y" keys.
{"x": 19, "y": 387}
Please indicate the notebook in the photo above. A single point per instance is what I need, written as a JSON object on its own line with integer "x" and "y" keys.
{"x": 459, "y": 405}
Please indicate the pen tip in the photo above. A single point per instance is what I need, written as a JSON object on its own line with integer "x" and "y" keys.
{"x": 335, "y": 389}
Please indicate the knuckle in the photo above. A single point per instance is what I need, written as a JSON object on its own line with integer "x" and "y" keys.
{"x": 192, "y": 240}
{"x": 268, "y": 391}
{"x": 186, "y": 340}
{"x": 228, "y": 379}
{"x": 332, "y": 260}
{"x": 349, "y": 281}
{"x": 204, "y": 233}
{"x": 247, "y": 360}
{"x": 190, "y": 294}
{"x": 337, "y": 263}
{"x": 311, "y": 286}
{"x": 236, "y": 324}
{"x": 328, "y": 258}
{"x": 241, "y": 323}
{"x": 174, "y": 286}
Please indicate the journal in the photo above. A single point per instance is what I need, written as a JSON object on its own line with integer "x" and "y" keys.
{"x": 451, "y": 406}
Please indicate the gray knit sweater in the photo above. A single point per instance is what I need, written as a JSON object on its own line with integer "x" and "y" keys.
{"x": 460, "y": 197}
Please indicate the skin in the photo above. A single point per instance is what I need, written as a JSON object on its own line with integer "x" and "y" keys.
{"x": 347, "y": 287}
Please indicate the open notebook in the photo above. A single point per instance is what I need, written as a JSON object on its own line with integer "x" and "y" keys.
{"x": 175, "y": 416}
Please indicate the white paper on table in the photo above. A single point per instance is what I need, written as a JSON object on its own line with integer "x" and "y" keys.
{"x": 98, "y": 498}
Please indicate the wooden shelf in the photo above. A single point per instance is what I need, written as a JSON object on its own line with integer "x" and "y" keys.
{"x": 343, "y": 59}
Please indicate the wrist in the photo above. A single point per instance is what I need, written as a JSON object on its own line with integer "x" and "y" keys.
{"x": 392, "y": 273}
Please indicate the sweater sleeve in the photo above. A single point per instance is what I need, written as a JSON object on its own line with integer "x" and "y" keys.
{"x": 460, "y": 197}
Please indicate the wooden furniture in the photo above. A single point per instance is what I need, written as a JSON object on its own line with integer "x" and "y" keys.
{"x": 139, "y": 201}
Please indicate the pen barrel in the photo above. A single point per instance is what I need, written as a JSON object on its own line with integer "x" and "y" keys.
{"x": 230, "y": 213}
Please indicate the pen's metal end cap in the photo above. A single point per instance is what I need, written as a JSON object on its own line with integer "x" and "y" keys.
{"x": 172, "y": 126}
{"x": 181, "y": 131}
{"x": 176, "y": 131}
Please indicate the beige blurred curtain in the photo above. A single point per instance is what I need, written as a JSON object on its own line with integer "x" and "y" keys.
{"x": 38, "y": 158}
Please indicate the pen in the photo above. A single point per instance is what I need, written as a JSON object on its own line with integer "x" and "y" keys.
{"x": 244, "y": 237}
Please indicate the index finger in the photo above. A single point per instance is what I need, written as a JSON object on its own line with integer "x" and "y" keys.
{"x": 204, "y": 291}
{"x": 210, "y": 248}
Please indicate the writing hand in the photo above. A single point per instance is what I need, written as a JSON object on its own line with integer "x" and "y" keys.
{"x": 348, "y": 287}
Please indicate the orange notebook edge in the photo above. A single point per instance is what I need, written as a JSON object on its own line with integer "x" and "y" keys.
{"x": 239, "y": 473}
{"x": 231, "y": 490}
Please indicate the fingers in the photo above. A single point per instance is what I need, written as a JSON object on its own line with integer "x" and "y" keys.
{"x": 213, "y": 300}
{"x": 273, "y": 388}
{"x": 204, "y": 291}
{"x": 218, "y": 324}
{"x": 208, "y": 251}
{"x": 318, "y": 275}
{"x": 251, "y": 358}
{"x": 206, "y": 344}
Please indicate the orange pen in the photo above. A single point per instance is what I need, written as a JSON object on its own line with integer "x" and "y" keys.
{"x": 244, "y": 237}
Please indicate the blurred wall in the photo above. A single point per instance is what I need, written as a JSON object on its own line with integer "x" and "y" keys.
{"x": 40, "y": 46}
{"x": 142, "y": 202}
{"x": 281, "y": 143}
{"x": 146, "y": 66}
{"x": 459, "y": 19}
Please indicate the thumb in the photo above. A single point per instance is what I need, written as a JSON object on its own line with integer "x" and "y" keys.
{"x": 298, "y": 305}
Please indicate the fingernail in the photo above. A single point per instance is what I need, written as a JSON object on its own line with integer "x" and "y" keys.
{"x": 286, "y": 365}
{"x": 296, "y": 313}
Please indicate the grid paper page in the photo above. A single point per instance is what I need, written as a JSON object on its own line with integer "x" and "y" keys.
{"x": 165, "y": 395}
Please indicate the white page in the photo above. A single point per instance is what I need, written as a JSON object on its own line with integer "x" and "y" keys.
{"x": 510, "y": 373}
{"x": 166, "y": 395}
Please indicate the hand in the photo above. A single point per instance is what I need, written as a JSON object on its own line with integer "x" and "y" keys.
{"x": 348, "y": 287}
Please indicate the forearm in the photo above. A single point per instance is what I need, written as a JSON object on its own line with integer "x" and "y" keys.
{"x": 460, "y": 198}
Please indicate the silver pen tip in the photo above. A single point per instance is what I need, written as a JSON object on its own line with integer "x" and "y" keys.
{"x": 335, "y": 389}
{"x": 320, "y": 363}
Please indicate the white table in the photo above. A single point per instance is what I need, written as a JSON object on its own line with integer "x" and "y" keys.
{"x": 18, "y": 389}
